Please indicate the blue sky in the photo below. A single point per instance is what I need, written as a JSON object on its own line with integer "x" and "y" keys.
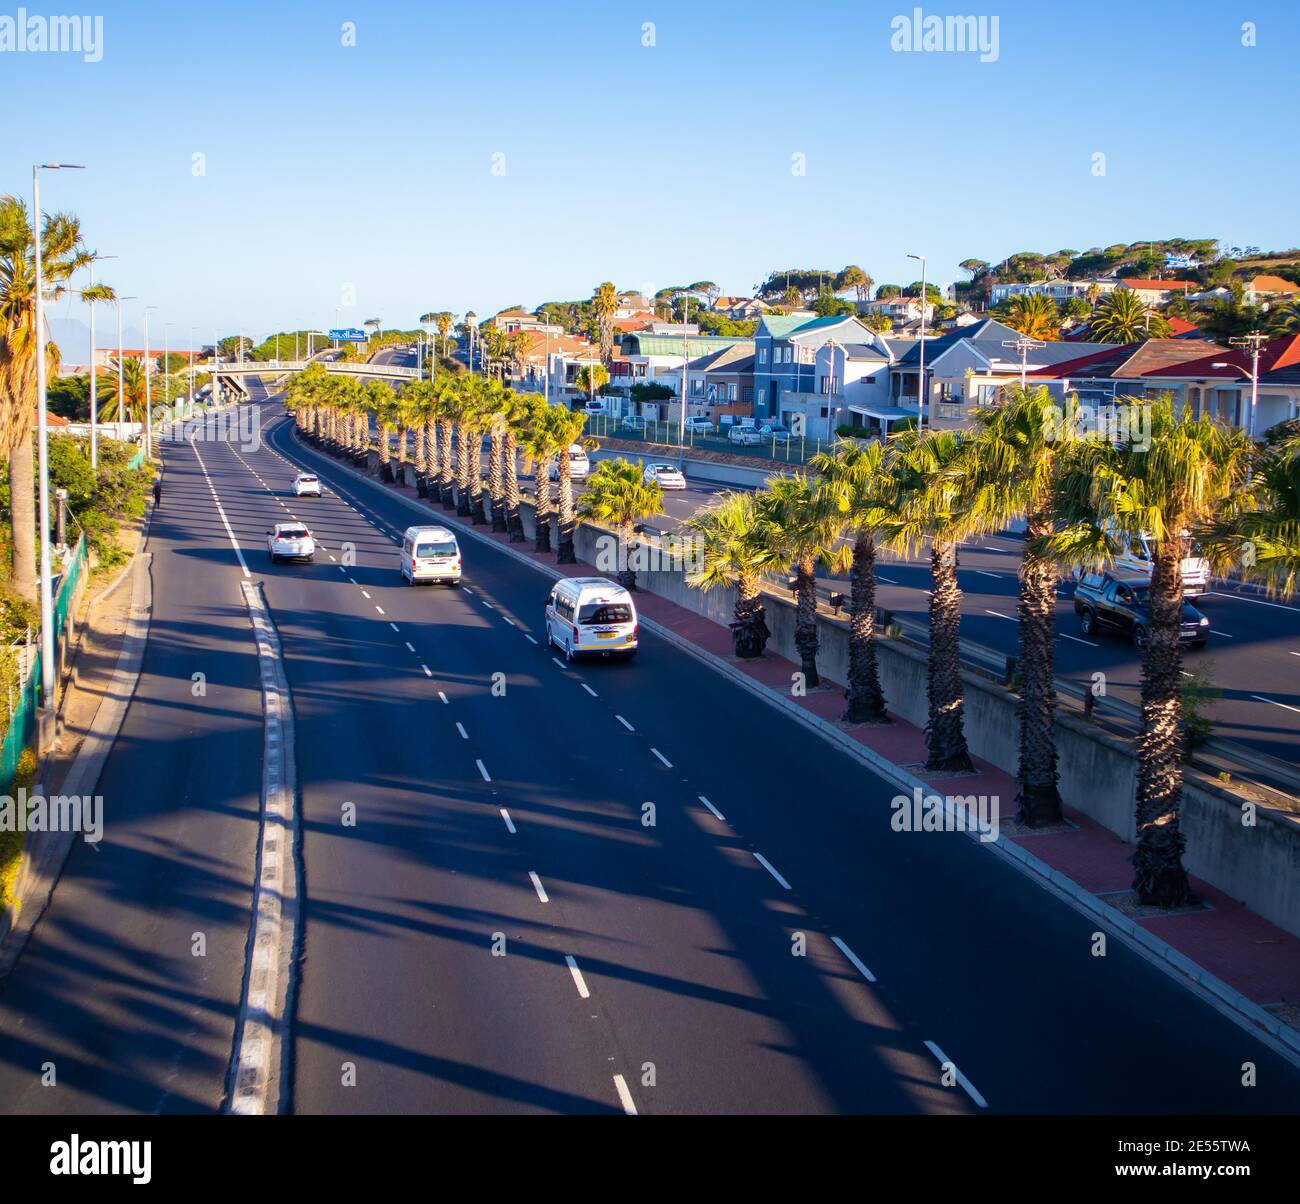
{"x": 372, "y": 165}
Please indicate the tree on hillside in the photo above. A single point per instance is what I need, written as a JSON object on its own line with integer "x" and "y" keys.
{"x": 853, "y": 277}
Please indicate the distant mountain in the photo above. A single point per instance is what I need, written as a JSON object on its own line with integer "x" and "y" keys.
{"x": 73, "y": 337}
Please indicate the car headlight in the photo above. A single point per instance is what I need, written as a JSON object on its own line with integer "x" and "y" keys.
{"x": 1205, "y": 622}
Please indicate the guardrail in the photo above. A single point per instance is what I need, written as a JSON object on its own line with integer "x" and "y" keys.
{"x": 347, "y": 367}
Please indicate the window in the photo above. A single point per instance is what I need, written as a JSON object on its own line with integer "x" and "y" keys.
{"x": 442, "y": 548}
{"x": 870, "y": 380}
{"x": 747, "y": 394}
{"x": 697, "y": 388}
{"x": 605, "y": 612}
{"x": 762, "y": 355}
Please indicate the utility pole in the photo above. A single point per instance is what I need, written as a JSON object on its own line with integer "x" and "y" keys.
{"x": 1254, "y": 343}
{"x": 1024, "y": 344}
{"x": 922, "y": 393}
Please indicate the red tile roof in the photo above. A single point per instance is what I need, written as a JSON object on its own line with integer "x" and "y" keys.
{"x": 1166, "y": 286}
{"x": 1283, "y": 352}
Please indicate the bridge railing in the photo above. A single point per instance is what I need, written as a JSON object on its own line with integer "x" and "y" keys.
{"x": 349, "y": 367}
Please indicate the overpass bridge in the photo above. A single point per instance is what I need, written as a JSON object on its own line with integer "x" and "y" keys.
{"x": 233, "y": 371}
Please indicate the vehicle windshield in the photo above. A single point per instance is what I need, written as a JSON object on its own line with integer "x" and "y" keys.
{"x": 306, "y": 480}
{"x": 444, "y": 548}
{"x": 578, "y": 455}
{"x": 605, "y": 612}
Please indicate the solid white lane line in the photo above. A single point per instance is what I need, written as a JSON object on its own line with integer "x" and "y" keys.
{"x": 712, "y": 808}
{"x": 537, "y": 886}
{"x": 853, "y": 957}
{"x": 664, "y": 759}
{"x": 996, "y": 615}
{"x": 1255, "y": 601}
{"x": 625, "y": 723}
{"x": 887, "y": 580}
{"x": 510, "y": 823}
{"x": 427, "y": 671}
{"x": 1076, "y": 640}
{"x": 589, "y": 690}
{"x": 771, "y": 869}
{"x": 365, "y": 595}
{"x": 982, "y": 573}
{"x": 529, "y": 638}
{"x": 1272, "y": 702}
{"x": 577, "y": 976}
{"x": 380, "y": 609}
{"x": 967, "y": 1085}
{"x": 483, "y": 770}
{"x": 234, "y": 543}
{"x": 409, "y": 646}
{"x": 624, "y": 1095}
{"x": 464, "y": 735}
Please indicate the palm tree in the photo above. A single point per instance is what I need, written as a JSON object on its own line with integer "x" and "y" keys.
{"x": 605, "y": 304}
{"x": 797, "y": 528}
{"x": 445, "y": 391}
{"x": 617, "y": 494}
{"x": 62, "y": 255}
{"x": 1015, "y": 454}
{"x": 564, "y": 428}
{"x": 475, "y": 418}
{"x": 497, "y": 403}
{"x": 1284, "y": 319}
{"x": 382, "y": 404}
{"x": 133, "y": 395}
{"x": 1181, "y": 480}
{"x": 539, "y": 452}
{"x": 928, "y": 470}
{"x": 1121, "y": 316}
{"x": 1034, "y": 315}
{"x": 519, "y": 413}
{"x": 444, "y": 321}
{"x": 855, "y": 484}
{"x": 1259, "y": 535}
{"x": 733, "y": 554}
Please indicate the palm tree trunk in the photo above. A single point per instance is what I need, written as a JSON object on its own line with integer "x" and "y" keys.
{"x": 1039, "y": 797}
{"x": 496, "y": 486}
{"x": 749, "y": 631}
{"x": 510, "y": 466}
{"x": 626, "y": 573}
{"x": 865, "y": 697}
{"x": 421, "y": 459}
{"x": 446, "y": 491}
{"x": 477, "y": 513}
{"x": 945, "y": 734}
{"x": 462, "y": 472}
{"x": 1159, "y": 876}
{"x": 805, "y": 622}
{"x": 542, "y": 538}
{"x": 403, "y": 451}
{"x": 22, "y": 517}
{"x": 564, "y": 489}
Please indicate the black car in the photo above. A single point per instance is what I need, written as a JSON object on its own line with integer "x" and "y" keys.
{"x": 1102, "y": 600}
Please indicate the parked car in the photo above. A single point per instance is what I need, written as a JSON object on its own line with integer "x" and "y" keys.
{"x": 595, "y": 406}
{"x": 634, "y": 424}
{"x": 306, "y": 484}
{"x": 699, "y": 425}
{"x": 1116, "y": 603}
{"x": 290, "y": 541}
{"x": 746, "y": 436}
{"x": 774, "y": 430}
{"x": 669, "y": 476}
{"x": 591, "y": 615}
{"x": 430, "y": 554}
{"x": 579, "y": 465}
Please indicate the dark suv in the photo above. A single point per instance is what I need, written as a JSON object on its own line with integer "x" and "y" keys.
{"x": 1102, "y": 600}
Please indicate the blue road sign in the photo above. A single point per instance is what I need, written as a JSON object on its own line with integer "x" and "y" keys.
{"x": 349, "y": 336}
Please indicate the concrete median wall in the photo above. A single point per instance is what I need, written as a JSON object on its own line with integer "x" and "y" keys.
{"x": 1257, "y": 863}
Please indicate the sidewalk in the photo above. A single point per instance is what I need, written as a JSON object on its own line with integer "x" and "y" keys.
{"x": 1244, "y": 951}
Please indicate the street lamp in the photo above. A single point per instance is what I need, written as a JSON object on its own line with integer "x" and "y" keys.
{"x": 121, "y": 355}
{"x": 43, "y": 457}
{"x": 94, "y": 396}
{"x": 922, "y": 393}
{"x": 1024, "y": 344}
{"x": 471, "y": 323}
{"x": 1253, "y": 343}
{"x": 191, "y": 405}
{"x": 148, "y": 395}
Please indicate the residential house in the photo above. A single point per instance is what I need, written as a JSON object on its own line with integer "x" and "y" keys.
{"x": 722, "y": 382}
{"x": 1059, "y": 291}
{"x": 1158, "y": 292}
{"x": 740, "y": 308}
{"x": 1120, "y": 370}
{"x": 1270, "y": 289}
{"x": 852, "y": 383}
{"x": 656, "y": 355}
{"x": 1219, "y": 383}
{"x": 785, "y": 371}
{"x": 898, "y": 309}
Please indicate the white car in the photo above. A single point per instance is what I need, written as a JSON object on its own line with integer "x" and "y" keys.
{"x": 669, "y": 476}
{"x": 700, "y": 425}
{"x": 290, "y": 541}
{"x": 306, "y": 484}
{"x": 579, "y": 465}
{"x": 595, "y": 407}
{"x": 746, "y": 436}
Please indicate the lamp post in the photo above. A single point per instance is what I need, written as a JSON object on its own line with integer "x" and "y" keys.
{"x": 216, "y": 364}
{"x": 121, "y": 356}
{"x": 471, "y": 322}
{"x": 43, "y": 458}
{"x": 148, "y": 395}
{"x": 94, "y": 371}
{"x": 167, "y": 363}
{"x": 922, "y": 393}
{"x": 681, "y": 418}
{"x": 191, "y": 367}
{"x": 1024, "y": 344}
{"x": 1253, "y": 343}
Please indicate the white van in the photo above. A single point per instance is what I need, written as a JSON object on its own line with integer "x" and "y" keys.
{"x": 591, "y": 615}
{"x": 1138, "y": 556}
{"x": 430, "y": 554}
{"x": 579, "y": 465}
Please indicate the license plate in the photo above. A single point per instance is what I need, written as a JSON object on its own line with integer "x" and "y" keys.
{"x": 606, "y": 635}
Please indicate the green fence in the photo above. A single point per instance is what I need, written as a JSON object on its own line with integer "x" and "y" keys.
{"x": 24, "y": 697}
{"x": 137, "y": 460}
{"x": 792, "y": 450}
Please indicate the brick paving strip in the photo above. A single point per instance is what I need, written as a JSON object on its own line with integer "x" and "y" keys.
{"x": 1243, "y": 965}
